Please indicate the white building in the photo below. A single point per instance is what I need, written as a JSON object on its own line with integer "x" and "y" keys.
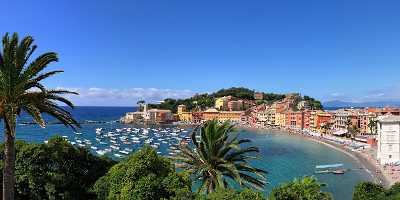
{"x": 388, "y": 139}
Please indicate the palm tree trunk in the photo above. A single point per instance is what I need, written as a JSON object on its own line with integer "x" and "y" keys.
{"x": 9, "y": 162}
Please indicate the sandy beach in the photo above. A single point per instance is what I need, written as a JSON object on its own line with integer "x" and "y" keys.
{"x": 384, "y": 175}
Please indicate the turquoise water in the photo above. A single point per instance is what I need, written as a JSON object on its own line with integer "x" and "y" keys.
{"x": 285, "y": 157}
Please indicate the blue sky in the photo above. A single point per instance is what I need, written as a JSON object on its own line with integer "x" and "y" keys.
{"x": 114, "y": 52}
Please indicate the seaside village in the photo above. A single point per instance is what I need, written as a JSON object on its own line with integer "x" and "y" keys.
{"x": 374, "y": 133}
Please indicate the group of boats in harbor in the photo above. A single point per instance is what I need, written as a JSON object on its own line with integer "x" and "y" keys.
{"x": 120, "y": 142}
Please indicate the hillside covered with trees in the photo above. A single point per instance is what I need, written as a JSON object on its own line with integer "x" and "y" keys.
{"x": 203, "y": 101}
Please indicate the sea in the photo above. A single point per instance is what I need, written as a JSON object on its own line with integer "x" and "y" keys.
{"x": 285, "y": 157}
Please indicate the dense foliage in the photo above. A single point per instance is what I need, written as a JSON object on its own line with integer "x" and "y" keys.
{"x": 218, "y": 159}
{"x": 56, "y": 170}
{"x": 272, "y": 97}
{"x": 372, "y": 191}
{"x": 238, "y": 92}
{"x": 230, "y": 194}
{"x": 300, "y": 189}
{"x": 314, "y": 104}
{"x": 199, "y": 102}
{"x": 144, "y": 175}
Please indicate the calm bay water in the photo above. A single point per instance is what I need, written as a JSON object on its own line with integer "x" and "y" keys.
{"x": 284, "y": 157}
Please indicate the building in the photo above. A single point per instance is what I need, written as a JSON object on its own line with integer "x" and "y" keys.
{"x": 159, "y": 116}
{"x": 235, "y": 105}
{"x": 322, "y": 118}
{"x": 342, "y": 118}
{"x": 132, "y": 117}
{"x": 185, "y": 116}
{"x": 290, "y": 121}
{"x": 258, "y": 96}
{"x": 271, "y": 115}
{"x": 280, "y": 119}
{"x": 307, "y": 119}
{"x": 222, "y": 103}
{"x": 303, "y": 105}
{"x": 363, "y": 121}
{"x": 222, "y": 116}
{"x": 181, "y": 109}
{"x": 388, "y": 139}
{"x": 197, "y": 117}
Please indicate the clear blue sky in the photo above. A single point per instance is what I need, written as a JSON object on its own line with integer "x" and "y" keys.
{"x": 347, "y": 50}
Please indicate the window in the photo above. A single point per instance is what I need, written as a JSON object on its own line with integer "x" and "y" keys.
{"x": 390, "y": 156}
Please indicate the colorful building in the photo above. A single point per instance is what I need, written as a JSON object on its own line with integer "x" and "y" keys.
{"x": 280, "y": 119}
{"x": 222, "y": 103}
{"x": 213, "y": 114}
{"x": 258, "y": 96}
{"x": 235, "y": 105}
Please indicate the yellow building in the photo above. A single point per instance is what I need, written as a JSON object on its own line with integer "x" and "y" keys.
{"x": 280, "y": 119}
{"x": 222, "y": 103}
{"x": 214, "y": 114}
{"x": 181, "y": 109}
{"x": 185, "y": 116}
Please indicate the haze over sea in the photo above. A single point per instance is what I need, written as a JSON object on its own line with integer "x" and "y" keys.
{"x": 283, "y": 156}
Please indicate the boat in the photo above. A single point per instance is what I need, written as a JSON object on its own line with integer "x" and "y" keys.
{"x": 330, "y": 169}
{"x": 329, "y": 166}
{"x": 101, "y": 152}
{"x": 93, "y": 147}
{"x": 118, "y": 155}
{"x": 78, "y": 133}
{"x": 124, "y": 152}
{"x": 339, "y": 171}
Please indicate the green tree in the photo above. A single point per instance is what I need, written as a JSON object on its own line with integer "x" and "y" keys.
{"x": 21, "y": 89}
{"x": 218, "y": 161}
{"x": 372, "y": 125}
{"x": 56, "y": 170}
{"x": 300, "y": 189}
{"x": 394, "y": 192}
{"x": 144, "y": 175}
{"x": 326, "y": 127}
{"x": 368, "y": 191}
{"x": 230, "y": 194}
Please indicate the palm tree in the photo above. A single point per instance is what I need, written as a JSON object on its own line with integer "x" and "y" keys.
{"x": 372, "y": 126}
{"x": 218, "y": 161}
{"x": 21, "y": 90}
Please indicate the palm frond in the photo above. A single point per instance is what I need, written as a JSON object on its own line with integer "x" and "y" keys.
{"x": 218, "y": 159}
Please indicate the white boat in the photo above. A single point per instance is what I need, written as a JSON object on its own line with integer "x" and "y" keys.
{"x": 78, "y": 133}
{"x": 118, "y": 155}
{"x": 101, "y": 152}
{"x": 93, "y": 147}
{"x": 124, "y": 152}
{"x": 114, "y": 147}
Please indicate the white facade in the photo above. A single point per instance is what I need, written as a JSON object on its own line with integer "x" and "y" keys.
{"x": 388, "y": 139}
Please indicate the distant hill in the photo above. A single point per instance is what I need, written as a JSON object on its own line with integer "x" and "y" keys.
{"x": 345, "y": 104}
{"x": 203, "y": 101}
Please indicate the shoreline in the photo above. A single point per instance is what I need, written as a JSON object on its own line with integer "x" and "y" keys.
{"x": 360, "y": 157}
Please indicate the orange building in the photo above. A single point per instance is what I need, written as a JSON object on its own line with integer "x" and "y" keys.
{"x": 322, "y": 118}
